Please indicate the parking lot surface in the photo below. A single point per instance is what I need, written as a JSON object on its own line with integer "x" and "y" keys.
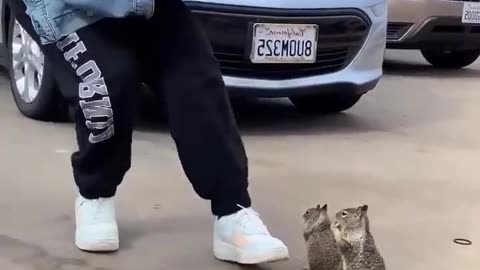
{"x": 410, "y": 150}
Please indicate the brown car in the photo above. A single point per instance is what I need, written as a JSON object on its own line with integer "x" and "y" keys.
{"x": 446, "y": 31}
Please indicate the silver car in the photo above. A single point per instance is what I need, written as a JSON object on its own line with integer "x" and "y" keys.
{"x": 446, "y": 31}
{"x": 323, "y": 55}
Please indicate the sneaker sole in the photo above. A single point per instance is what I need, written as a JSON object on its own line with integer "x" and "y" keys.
{"x": 103, "y": 246}
{"x": 227, "y": 252}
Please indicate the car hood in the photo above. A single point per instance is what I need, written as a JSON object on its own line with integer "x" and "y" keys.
{"x": 295, "y": 3}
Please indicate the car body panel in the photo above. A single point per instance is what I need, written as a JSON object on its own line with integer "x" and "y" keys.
{"x": 360, "y": 75}
{"x": 297, "y": 4}
{"x": 2, "y": 5}
{"x": 402, "y": 10}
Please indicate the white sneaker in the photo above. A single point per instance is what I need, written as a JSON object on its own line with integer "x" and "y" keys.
{"x": 96, "y": 229}
{"x": 243, "y": 238}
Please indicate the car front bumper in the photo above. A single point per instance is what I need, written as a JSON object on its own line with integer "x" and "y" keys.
{"x": 349, "y": 57}
{"x": 430, "y": 24}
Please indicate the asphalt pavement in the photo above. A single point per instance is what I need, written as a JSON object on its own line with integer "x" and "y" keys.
{"x": 410, "y": 150}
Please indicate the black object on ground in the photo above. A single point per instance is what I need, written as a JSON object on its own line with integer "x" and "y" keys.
{"x": 462, "y": 241}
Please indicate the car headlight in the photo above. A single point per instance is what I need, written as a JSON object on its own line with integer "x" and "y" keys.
{"x": 379, "y": 9}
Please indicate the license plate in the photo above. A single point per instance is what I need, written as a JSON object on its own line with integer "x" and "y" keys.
{"x": 284, "y": 43}
{"x": 471, "y": 13}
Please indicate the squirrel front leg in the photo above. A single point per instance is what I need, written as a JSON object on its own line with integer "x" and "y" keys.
{"x": 305, "y": 235}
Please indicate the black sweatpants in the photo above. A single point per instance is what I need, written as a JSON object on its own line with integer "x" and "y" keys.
{"x": 98, "y": 70}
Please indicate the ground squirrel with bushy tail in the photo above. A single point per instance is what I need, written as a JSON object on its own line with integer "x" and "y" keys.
{"x": 355, "y": 241}
{"x": 322, "y": 252}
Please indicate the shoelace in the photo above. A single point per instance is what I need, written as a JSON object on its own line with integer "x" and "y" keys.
{"x": 250, "y": 220}
{"x": 98, "y": 210}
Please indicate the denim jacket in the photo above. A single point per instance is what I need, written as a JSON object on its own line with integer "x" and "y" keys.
{"x": 54, "y": 19}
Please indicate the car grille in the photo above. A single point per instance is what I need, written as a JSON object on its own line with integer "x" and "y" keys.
{"x": 396, "y": 31}
{"x": 341, "y": 36}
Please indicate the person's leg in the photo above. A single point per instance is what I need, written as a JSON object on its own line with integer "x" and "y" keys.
{"x": 100, "y": 89}
{"x": 183, "y": 70}
{"x": 183, "y": 67}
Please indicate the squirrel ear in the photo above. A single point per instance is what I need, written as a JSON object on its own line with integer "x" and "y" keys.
{"x": 318, "y": 207}
{"x": 362, "y": 209}
{"x": 325, "y": 207}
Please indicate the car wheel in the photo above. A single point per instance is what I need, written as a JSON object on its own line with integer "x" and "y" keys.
{"x": 325, "y": 104}
{"x": 31, "y": 77}
{"x": 451, "y": 59}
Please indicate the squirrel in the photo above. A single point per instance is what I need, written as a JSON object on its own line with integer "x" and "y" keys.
{"x": 322, "y": 252}
{"x": 355, "y": 241}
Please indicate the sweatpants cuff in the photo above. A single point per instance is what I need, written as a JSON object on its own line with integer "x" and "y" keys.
{"x": 94, "y": 194}
{"x": 228, "y": 204}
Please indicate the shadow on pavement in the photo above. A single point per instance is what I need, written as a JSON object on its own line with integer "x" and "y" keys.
{"x": 279, "y": 117}
{"x": 267, "y": 117}
{"x": 270, "y": 117}
{"x": 415, "y": 69}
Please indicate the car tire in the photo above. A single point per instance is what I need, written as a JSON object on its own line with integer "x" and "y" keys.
{"x": 451, "y": 59}
{"x": 325, "y": 104}
{"x": 36, "y": 95}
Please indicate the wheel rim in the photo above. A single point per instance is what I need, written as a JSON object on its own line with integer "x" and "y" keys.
{"x": 27, "y": 64}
